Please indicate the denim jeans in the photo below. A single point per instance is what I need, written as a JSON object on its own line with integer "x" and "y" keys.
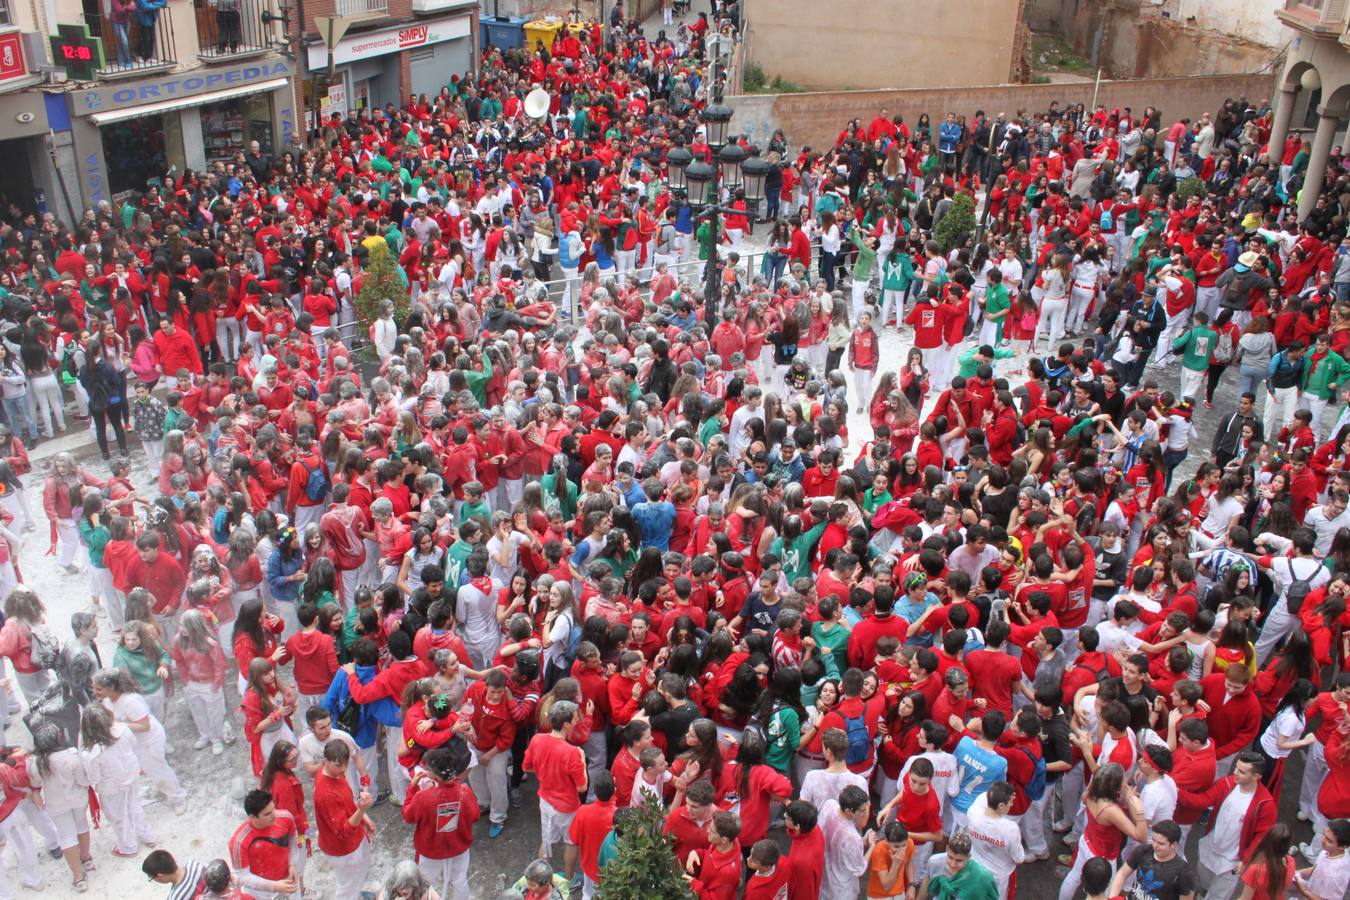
{"x": 20, "y": 420}
{"x": 123, "y": 43}
{"x": 1251, "y": 380}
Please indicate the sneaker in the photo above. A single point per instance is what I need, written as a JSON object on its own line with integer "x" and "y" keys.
{"x": 72, "y": 569}
{"x": 81, "y": 886}
{"x": 1309, "y": 853}
{"x": 1302, "y": 816}
{"x": 1065, "y": 859}
{"x": 180, "y": 807}
{"x": 516, "y": 798}
{"x": 1040, "y": 857}
{"x": 88, "y": 865}
{"x": 200, "y": 743}
{"x": 217, "y": 748}
{"x": 495, "y": 829}
{"x": 1208, "y": 405}
{"x": 117, "y": 851}
{"x": 54, "y": 853}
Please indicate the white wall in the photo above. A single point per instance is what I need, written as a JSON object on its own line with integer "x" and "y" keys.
{"x": 1251, "y": 19}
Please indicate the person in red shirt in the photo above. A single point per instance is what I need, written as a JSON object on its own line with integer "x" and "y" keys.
{"x": 590, "y": 826}
{"x": 344, "y": 828}
{"x": 488, "y": 704}
{"x": 717, "y": 871}
{"x": 160, "y": 574}
{"x": 851, "y": 708}
{"x": 862, "y": 641}
{"x": 993, "y": 671}
{"x": 806, "y": 856}
{"x": 315, "y": 660}
{"x": 260, "y": 849}
{"x": 442, "y": 811}
{"x": 1234, "y": 717}
{"x": 687, "y": 821}
{"x": 770, "y": 876}
{"x": 176, "y": 352}
{"x": 300, "y": 506}
{"x": 561, "y": 769}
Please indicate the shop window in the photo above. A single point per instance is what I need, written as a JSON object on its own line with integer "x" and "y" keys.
{"x": 230, "y": 126}
{"x": 143, "y": 148}
{"x": 6, "y": 18}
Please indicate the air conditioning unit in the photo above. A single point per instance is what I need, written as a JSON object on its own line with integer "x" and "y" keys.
{"x": 54, "y": 76}
{"x": 35, "y": 49}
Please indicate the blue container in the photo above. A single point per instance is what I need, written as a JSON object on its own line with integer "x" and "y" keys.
{"x": 503, "y": 32}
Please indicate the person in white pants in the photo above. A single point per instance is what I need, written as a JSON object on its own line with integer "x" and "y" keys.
{"x": 117, "y": 691}
{"x": 56, "y": 769}
{"x": 202, "y": 670}
{"x": 108, "y": 749}
{"x": 1055, "y": 280}
{"x": 1304, "y": 568}
{"x": 337, "y": 814}
{"x": 48, "y": 404}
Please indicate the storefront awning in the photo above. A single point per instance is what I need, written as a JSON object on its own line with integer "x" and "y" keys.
{"x": 151, "y": 109}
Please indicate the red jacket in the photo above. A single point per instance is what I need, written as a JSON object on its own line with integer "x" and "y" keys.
{"x": 1233, "y": 722}
{"x": 177, "y": 351}
{"x": 202, "y": 668}
{"x": 390, "y": 682}
{"x": 927, "y": 320}
{"x": 333, "y": 809}
{"x": 1259, "y": 818}
{"x": 295, "y": 489}
{"x": 591, "y": 824}
{"x": 1193, "y": 773}
{"x": 493, "y": 724}
{"x": 442, "y": 816}
{"x": 315, "y": 660}
{"x": 163, "y": 578}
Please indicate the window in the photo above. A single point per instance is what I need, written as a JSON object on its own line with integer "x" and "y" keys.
{"x": 5, "y": 17}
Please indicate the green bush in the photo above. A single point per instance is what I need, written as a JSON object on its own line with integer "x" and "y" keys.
{"x": 384, "y": 280}
{"x": 1192, "y": 187}
{"x": 753, "y": 80}
{"x": 646, "y": 866}
{"x": 957, "y": 224}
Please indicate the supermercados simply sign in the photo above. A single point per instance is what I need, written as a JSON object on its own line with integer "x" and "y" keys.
{"x": 171, "y": 85}
{"x": 389, "y": 40}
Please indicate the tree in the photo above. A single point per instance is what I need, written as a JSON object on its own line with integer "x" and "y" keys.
{"x": 384, "y": 280}
{"x": 1192, "y": 187}
{"x": 646, "y": 866}
{"x": 957, "y": 224}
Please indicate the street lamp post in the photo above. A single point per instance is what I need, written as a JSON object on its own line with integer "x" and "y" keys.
{"x": 703, "y": 182}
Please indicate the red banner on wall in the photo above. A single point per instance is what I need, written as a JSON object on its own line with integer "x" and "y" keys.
{"x": 11, "y": 57}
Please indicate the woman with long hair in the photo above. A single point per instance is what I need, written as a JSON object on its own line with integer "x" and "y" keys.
{"x": 753, "y": 784}
{"x": 202, "y": 669}
{"x": 1269, "y": 872}
{"x": 702, "y": 758}
{"x": 1114, "y": 813}
{"x": 57, "y": 770}
{"x": 267, "y": 705}
{"x": 255, "y": 636}
{"x": 108, "y": 749}
{"x": 140, "y": 653}
{"x": 556, "y": 634}
{"x": 780, "y": 717}
{"x": 1284, "y": 734}
{"x": 117, "y": 690}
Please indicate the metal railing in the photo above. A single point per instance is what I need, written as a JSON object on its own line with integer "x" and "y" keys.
{"x": 136, "y": 46}
{"x": 228, "y": 28}
{"x": 362, "y": 7}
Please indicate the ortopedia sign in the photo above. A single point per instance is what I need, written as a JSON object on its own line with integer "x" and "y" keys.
{"x": 389, "y": 40}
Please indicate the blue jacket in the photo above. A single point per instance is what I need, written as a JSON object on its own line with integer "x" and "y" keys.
{"x": 147, "y": 11}
{"x": 382, "y": 712}
{"x": 948, "y": 135}
{"x": 278, "y": 570}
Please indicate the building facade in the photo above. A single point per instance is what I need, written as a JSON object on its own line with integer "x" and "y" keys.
{"x": 1313, "y": 90}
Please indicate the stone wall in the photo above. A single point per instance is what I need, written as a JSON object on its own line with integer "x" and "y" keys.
{"x": 817, "y": 118}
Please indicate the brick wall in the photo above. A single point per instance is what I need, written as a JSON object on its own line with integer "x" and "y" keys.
{"x": 817, "y": 118}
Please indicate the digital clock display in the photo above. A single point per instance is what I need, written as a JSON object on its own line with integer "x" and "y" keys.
{"x": 76, "y": 52}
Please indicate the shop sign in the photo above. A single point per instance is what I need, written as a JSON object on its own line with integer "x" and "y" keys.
{"x": 77, "y": 51}
{"x": 367, "y": 44}
{"x": 171, "y": 86}
{"x": 11, "y": 57}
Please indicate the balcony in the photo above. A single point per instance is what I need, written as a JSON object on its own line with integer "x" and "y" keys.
{"x": 230, "y": 29}
{"x": 356, "y": 9}
{"x": 1316, "y": 17}
{"x": 134, "y": 48}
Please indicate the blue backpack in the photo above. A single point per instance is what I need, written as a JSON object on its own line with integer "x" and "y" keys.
{"x": 1107, "y": 221}
{"x": 859, "y": 741}
{"x": 317, "y": 484}
{"x": 1036, "y": 786}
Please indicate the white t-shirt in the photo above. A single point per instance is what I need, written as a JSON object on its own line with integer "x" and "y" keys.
{"x": 132, "y": 708}
{"x": 1287, "y": 569}
{"x": 995, "y": 843}
{"x": 1159, "y": 799}
{"x": 1330, "y": 875}
{"x": 820, "y": 785}
{"x": 1112, "y": 637}
{"x": 1224, "y": 843}
{"x": 1221, "y": 514}
{"x": 311, "y": 751}
{"x": 1287, "y": 724}
{"x": 1326, "y": 529}
{"x": 501, "y": 574}
{"x": 944, "y": 782}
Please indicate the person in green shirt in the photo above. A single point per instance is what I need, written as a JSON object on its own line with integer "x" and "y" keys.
{"x": 780, "y": 711}
{"x": 477, "y": 381}
{"x": 559, "y": 493}
{"x": 1195, "y": 347}
{"x": 320, "y": 587}
{"x": 831, "y": 637}
{"x": 962, "y": 878}
{"x": 715, "y": 424}
{"x": 794, "y": 547}
{"x": 997, "y": 304}
{"x": 862, "y": 266}
{"x": 972, "y": 358}
{"x": 897, "y": 273}
{"x": 877, "y": 495}
{"x": 141, "y": 654}
{"x": 1325, "y": 371}
{"x": 474, "y": 506}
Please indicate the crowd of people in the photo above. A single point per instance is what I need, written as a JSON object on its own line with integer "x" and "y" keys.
{"x": 541, "y": 523}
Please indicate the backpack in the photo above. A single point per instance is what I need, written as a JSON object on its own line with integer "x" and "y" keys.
{"x": 1099, "y": 675}
{"x": 1036, "y": 786}
{"x": 1106, "y": 221}
{"x": 70, "y": 366}
{"x": 317, "y": 484}
{"x": 44, "y": 649}
{"x": 349, "y": 720}
{"x": 570, "y": 648}
{"x": 859, "y": 741}
{"x": 1223, "y": 347}
{"x": 1298, "y": 591}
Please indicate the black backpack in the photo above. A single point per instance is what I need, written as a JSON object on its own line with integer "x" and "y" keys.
{"x": 1298, "y": 591}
